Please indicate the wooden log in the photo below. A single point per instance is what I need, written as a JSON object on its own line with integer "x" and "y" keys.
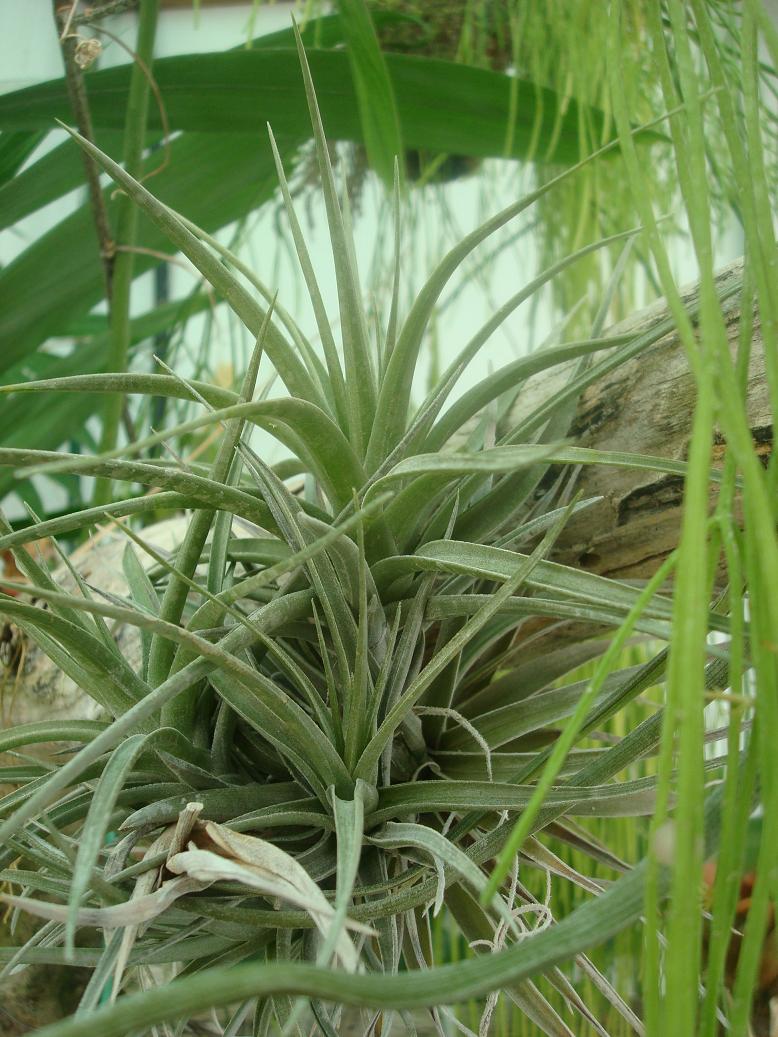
{"x": 646, "y": 406}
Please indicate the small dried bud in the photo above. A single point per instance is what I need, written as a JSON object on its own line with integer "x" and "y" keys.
{"x": 86, "y": 52}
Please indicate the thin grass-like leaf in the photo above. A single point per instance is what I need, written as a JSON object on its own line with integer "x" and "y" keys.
{"x": 93, "y": 832}
{"x": 358, "y": 368}
{"x": 289, "y": 366}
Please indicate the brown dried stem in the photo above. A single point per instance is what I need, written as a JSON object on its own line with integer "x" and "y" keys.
{"x": 80, "y": 104}
{"x": 93, "y": 14}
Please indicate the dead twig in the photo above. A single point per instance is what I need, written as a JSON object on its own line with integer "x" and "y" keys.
{"x": 157, "y": 97}
{"x": 79, "y": 103}
{"x": 94, "y": 13}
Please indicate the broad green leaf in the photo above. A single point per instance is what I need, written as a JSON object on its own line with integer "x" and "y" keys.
{"x": 43, "y": 424}
{"x": 61, "y": 170}
{"x": 442, "y": 106}
{"x": 15, "y": 149}
{"x": 216, "y": 178}
{"x": 48, "y": 178}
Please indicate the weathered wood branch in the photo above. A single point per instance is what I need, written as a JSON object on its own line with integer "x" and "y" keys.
{"x": 646, "y": 407}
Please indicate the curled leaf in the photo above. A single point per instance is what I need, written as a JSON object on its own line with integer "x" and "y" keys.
{"x": 217, "y": 854}
{"x": 133, "y": 912}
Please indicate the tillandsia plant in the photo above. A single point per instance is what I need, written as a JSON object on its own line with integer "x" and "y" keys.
{"x": 332, "y": 732}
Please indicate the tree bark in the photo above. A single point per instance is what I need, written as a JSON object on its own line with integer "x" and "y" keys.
{"x": 646, "y": 407}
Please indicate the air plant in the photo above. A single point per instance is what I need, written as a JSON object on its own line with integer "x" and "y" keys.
{"x": 330, "y": 732}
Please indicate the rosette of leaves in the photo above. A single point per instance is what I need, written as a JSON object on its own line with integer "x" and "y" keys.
{"x": 331, "y": 732}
